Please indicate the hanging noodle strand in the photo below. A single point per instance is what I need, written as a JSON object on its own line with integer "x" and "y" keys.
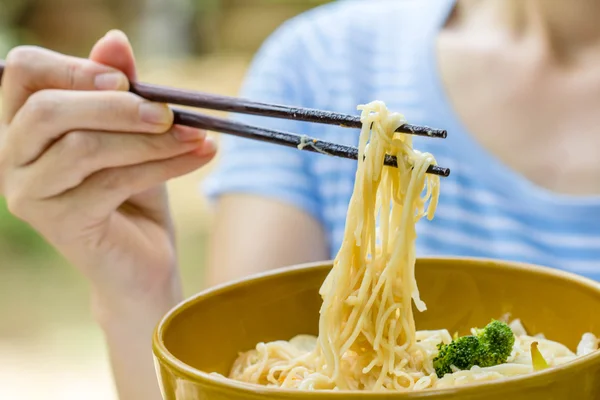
{"x": 367, "y": 336}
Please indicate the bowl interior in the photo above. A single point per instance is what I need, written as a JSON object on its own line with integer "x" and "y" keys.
{"x": 209, "y": 331}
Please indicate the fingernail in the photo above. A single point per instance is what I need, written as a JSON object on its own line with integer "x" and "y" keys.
{"x": 156, "y": 113}
{"x": 110, "y": 81}
{"x": 116, "y": 33}
{"x": 187, "y": 134}
{"x": 208, "y": 147}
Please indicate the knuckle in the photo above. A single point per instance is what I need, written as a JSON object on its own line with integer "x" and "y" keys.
{"x": 160, "y": 144}
{"x": 21, "y": 58}
{"x": 42, "y": 105}
{"x": 111, "y": 180}
{"x": 71, "y": 72}
{"x": 80, "y": 144}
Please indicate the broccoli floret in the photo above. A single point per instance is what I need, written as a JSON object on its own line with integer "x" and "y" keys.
{"x": 496, "y": 343}
{"x": 462, "y": 353}
{"x": 492, "y": 345}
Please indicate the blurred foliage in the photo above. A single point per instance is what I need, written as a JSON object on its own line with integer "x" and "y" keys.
{"x": 71, "y": 26}
{"x": 17, "y": 239}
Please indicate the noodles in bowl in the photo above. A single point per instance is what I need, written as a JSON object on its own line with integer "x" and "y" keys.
{"x": 367, "y": 335}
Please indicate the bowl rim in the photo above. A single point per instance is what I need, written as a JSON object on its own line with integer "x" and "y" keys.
{"x": 539, "y": 378}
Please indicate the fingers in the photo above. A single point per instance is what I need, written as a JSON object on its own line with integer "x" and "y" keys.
{"x": 48, "y": 114}
{"x": 100, "y": 193}
{"x": 30, "y": 69}
{"x": 80, "y": 154}
{"x": 115, "y": 186}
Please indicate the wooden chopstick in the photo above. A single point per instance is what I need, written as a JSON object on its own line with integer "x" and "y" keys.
{"x": 165, "y": 94}
{"x": 302, "y": 142}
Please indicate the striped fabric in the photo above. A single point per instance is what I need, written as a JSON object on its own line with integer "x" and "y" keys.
{"x": 352, "y": 52}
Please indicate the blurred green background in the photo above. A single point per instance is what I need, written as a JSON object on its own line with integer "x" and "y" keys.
{"x": 49, "y": 345}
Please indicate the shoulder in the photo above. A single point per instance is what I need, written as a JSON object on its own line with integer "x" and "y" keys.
{"x": 360, "y": 13}
{"x": 340, "y": 45}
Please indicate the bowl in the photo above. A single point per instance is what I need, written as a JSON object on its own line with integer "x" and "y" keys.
{"x": 205, "y": 333}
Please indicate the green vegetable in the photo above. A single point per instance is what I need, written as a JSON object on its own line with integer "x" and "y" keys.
{"x": 461, "y": 353}
{"x": 496, "y": 342}
{"x": 492, "y": 345}
{"x": 537, "y": 359}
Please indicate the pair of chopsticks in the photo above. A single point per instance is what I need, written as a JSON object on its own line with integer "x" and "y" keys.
{"x": 209, "y": 101}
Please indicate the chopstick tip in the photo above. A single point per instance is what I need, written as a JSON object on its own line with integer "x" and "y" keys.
{"x": 437, "y": 133}
{"x": 444, "y": 172}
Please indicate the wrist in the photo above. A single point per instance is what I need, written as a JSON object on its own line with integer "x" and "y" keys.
{"x": 128, "y": 322}
{"x": 137, "y": 306}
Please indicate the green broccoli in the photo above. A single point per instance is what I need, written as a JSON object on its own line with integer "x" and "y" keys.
{"x": 496, "y": 342}
{"x": 491, "y": 346}
{"x": 462, "y": 353}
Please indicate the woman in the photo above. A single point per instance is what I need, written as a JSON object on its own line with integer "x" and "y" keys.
{"x": 514, "y": 81}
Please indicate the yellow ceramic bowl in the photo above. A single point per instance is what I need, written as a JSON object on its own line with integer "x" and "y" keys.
{"x": 205, "y": 333}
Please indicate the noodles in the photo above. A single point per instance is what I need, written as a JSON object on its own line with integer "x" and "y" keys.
{"x": 367, "y": 336}
{"x": 305, "y": 141}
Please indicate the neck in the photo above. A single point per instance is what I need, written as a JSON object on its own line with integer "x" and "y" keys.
{"x": 566, "y": 25}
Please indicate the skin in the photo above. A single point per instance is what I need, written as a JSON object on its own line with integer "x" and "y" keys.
{"x": 533, "y": 67}
{"x": 110, "y": 217}
{"x": 275, "y": 245}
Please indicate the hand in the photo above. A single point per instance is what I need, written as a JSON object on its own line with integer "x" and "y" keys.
{"x": 84, "y": 162}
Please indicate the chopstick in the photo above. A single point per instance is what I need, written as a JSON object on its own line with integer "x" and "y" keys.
{"x": 164, "y": 94}
{"x": 302, "y": 142}
{"x": 231, "y": 104}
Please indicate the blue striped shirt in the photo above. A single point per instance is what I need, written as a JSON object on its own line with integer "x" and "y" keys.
{"x": 352, "y": 52}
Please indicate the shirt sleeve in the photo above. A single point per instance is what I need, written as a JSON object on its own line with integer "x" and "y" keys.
{"x": 252, "y": 167}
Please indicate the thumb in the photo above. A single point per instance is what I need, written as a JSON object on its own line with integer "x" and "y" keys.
{"x": 114, "y": 50}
